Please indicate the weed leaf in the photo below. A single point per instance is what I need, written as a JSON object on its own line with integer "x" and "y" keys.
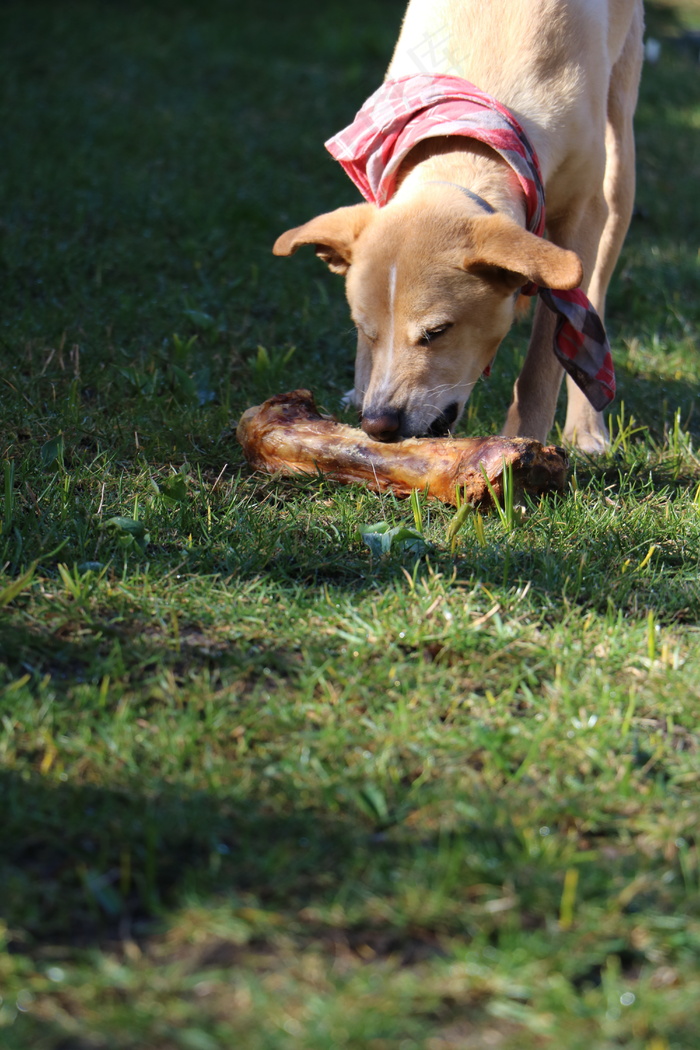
{"x": 182, "y": 384}
{"x": 9, "y": 593}
{"x": 52, "y": 452}
{"x": 174, "y": 488}
{"x": 129, "y": 531}
{"x": 202, "y": 320}
{"x": 372, "y": 801}
{"x": 382, "y": 539}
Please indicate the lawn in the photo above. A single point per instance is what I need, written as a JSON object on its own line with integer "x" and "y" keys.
{"x": 262, "y": 786}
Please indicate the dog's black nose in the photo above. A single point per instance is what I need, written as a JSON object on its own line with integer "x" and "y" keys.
{"x": 382, "y": 425}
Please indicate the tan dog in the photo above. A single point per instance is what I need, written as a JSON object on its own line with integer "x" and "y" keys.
{"x": 433, "y": 276}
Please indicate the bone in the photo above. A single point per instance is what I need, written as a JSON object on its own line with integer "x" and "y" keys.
{"x": 287, "y": 435}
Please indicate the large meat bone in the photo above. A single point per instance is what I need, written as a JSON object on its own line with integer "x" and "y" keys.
{"x": 287, "y": 435}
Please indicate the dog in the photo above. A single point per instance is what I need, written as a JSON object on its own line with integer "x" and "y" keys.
{"x": 489, "y": 111}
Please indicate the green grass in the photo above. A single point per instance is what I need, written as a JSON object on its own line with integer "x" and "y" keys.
{"x": 263, "y": 786}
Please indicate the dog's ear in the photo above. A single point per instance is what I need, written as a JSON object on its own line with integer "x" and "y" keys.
{"x": 333, "y": 235}
{"x": 512, "y": 256}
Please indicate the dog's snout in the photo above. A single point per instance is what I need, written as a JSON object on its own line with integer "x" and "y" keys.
{"x": 383, "y": 424}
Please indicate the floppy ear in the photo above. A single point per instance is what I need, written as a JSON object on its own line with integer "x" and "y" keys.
{"x": 332, "y": 235}
{"x": 518, "y": 256}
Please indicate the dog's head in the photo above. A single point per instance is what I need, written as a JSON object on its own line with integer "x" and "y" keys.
{"x": 432, "y": 290}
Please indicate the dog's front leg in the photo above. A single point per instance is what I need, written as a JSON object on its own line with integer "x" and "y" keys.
{"x": 531, "y": 413}
{"x": 584, "y": 427}
{"x": 536, "y": 389}
{"x": 605, "y": 226}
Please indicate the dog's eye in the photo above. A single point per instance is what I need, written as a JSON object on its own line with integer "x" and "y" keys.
{"x": 429, "y": 334}
{"x": 369, "y": 334}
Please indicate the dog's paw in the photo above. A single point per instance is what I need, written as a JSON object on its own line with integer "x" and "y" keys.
{"x": 592, "y": 442}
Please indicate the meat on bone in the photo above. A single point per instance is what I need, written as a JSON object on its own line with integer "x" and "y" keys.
{"x": 287, "y": 435}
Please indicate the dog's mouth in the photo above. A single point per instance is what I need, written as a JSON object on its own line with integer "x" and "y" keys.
{"x": 442, "y": 425}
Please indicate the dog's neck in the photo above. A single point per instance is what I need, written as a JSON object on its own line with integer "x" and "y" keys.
{"x": 466, "y": 164}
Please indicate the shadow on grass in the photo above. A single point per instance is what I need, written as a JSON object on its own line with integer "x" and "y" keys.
{"x": 83, "y": 865}
{"x": 97, "y": 867}
{"x": 87, "y": 867}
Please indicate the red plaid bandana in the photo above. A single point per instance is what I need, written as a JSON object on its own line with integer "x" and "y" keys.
{"x": 405, "y": 111}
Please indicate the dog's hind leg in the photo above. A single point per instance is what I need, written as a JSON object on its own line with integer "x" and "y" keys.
{"x": 584, "y": 427}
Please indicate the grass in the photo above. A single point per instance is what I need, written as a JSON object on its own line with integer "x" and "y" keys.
{"x": 267, "y": 783}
